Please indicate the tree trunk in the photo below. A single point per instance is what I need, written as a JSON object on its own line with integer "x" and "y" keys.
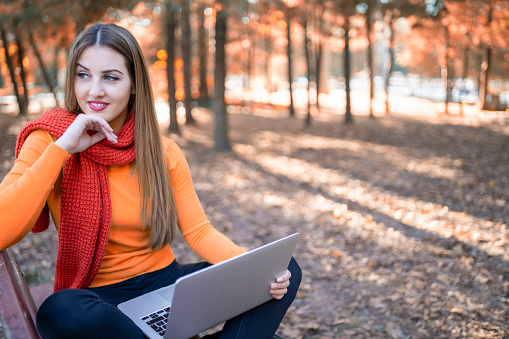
{"x": 486, "y": 65}
{"x": 319, "y": 58}
{"x": 391, "y": 62}
{"x": 289, "y": 58}
{"x": 204, "y": 52}
{"x": 221, "y": 141}
{"x": 2, "y": 81}
{"x": 348, "y": 112}
{"x": 265, "y": 59}
{"x": 45, "y": 74}
{"x": 171, "y": 26}
{"x": 371, "y": 63}
{"x": 22, "y": 73}
{"x": 308, "y": 70}
{"x": 466, "y": 61}
{"x": 448, "y": 81}
{"x": 10, "y": 65}
{"x": 251, "y": 58}
{"x": 54, "y": 68}
{"x": 186, "y": 56}
{"x": 485, "y": 72}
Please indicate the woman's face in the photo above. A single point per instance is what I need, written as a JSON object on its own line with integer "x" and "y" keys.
{"x": 103, "y": 85}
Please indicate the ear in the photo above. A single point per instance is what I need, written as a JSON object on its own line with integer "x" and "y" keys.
{"x": 133, "y": 90}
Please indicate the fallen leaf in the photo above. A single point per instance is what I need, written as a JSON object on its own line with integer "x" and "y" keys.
{"x": 456, "y": 310}
{"x": 290, "y": 332}
{"x": 393, "y": 330}
{"x": 458, "y": 249}
{"x": 311, "y": 324}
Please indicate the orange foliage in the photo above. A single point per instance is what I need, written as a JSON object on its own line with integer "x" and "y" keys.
{"x": 411, "y": 20}
{"x": 162, "y": 55}
{"x": 12, "y": 49}
{"x": 336, "y": 45}
{"x": 359, "y": 43}
{"x": 160, "y": 65}
{"x": 210, "y": 16}
{"x": 253, "y": 25}
{"x": 179, "y": 63}
{"x": 179, "y": 94}
{"x": 293, "y": 3}
{"x": 263, "y": 29}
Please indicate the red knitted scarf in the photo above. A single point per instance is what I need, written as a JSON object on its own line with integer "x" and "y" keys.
{"x": 85, "y": 212}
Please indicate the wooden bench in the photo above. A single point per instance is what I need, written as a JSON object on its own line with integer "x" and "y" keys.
{"x": 17, "y": 307}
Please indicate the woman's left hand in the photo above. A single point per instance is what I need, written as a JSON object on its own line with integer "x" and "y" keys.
{"x": 279, "y": 288}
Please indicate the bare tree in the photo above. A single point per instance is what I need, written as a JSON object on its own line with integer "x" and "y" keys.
{"x": 203, "y": 45}
{"x": 221, "y": 139}
{"x": 289, "y": 58}
{"x": 22, "y": 104}
{"x": 171, "y": 26}
{"x": 186, "y": 56}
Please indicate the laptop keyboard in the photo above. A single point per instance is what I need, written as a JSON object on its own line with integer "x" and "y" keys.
{"x": 157, "y": 320}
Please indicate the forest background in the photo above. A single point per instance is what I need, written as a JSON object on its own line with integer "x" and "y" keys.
{"x": 376, "y": 128}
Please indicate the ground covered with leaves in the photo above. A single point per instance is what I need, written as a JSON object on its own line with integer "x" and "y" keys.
{"x": 403, "y": 218}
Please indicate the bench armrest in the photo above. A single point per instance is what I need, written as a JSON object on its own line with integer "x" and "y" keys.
{"x": 17, "y": 308}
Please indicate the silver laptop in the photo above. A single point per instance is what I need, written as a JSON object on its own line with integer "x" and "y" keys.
{"x": 203, "y": 299}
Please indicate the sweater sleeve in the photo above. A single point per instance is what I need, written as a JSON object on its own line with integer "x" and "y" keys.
{"x": 25, "y": 189}
{"x": 202, "y": 237}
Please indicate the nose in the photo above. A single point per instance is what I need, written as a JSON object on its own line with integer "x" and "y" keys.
{"x": 96, "y": 88}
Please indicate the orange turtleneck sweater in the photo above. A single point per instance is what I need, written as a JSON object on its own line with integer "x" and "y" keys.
{"x": 35, "y": 180}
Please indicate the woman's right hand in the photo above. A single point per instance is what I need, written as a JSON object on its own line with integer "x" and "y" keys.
{"x": 76, "y": 139}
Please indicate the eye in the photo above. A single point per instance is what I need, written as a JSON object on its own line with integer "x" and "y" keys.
{"x": 82, "y": 75}
{"x": 110, "y": 78}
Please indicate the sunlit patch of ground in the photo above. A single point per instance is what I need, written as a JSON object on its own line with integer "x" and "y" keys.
{"x": 403, "y": 222}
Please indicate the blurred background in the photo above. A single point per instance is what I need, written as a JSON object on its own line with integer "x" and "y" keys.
{"x": 378, "y": 129}
{"x": 301, "y": 54}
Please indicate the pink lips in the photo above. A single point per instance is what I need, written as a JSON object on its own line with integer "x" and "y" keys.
{"x": 97, "y": 105}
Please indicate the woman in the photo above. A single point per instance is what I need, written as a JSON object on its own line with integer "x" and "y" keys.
{"x": 117, "y": 191}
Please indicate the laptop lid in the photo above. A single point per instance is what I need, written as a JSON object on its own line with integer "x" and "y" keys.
{"x": 208, "y": 297}
{"x": 215, "y": 294}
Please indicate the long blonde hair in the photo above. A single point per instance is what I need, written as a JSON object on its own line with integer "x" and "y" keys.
{"x": 158, "y": 210}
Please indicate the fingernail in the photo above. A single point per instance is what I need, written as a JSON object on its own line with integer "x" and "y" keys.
{"x": 279, "y": 279}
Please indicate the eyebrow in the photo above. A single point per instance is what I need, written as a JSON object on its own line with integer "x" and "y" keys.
{"x": 105, "y": 71}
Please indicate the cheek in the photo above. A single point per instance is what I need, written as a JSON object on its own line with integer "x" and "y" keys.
{"x": 78, "y": 90}
{"x": 124, "y": 94}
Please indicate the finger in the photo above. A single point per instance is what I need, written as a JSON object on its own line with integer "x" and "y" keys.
{"x": 102, "y": 132}
{"x": 97, "y": 137}
{"x": 277, "y": 286}
{"x": 278, "y": 294}
{"x": 109, "y": 135}
{"x": 101, "y": 126}
{"x": 95, "y": 123}
{"x": 286, "y": 276}
{"x": 278, "y": 290}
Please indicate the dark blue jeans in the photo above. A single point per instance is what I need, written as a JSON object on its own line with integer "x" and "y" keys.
{"x": 92, "y": 313}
